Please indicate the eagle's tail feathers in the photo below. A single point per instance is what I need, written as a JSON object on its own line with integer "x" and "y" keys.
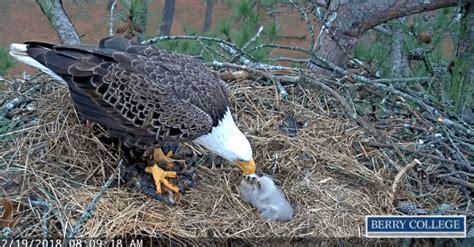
{"x": 19, "y": 52}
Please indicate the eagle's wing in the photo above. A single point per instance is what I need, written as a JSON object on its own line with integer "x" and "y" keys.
{"x": 186, "y": 75}
{"x": 144, "y": 96}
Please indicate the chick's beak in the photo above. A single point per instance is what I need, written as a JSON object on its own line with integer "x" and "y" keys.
{"x": 247, "y": 167}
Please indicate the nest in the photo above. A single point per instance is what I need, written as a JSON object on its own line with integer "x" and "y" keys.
{"x": 55, "y": 164}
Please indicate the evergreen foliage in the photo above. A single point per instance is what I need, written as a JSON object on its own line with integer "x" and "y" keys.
{"x": 7, "y": 125}
{"x": 239, "y": 28}
{"x": 133, "y": 16}
{"x": 6, "y": 62}
{"x": 429, "y": 56}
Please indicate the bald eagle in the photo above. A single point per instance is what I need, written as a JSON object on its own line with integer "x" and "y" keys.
{"x": 145, "y": 97}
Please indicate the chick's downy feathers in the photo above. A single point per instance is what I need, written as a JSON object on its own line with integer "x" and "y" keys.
{"x": 266, "y": 197}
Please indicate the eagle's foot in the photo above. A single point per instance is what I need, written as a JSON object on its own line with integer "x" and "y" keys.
{"x": 161, "y": 157}
{"x": 160, "y": 177}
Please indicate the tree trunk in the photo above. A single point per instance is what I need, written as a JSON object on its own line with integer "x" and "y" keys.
{"x": 463, "y": 72}
{"x": 399, "y": 60}
{"x": 167, "y": 18}
{"x": 206, "y": 26}
{"x": 347, "y": 20}
{"x": 53, "y": 9}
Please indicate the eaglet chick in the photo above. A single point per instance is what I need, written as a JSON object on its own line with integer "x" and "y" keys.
{"x": 266, "y": 197}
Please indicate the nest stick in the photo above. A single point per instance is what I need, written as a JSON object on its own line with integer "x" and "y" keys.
{"x": 90, "y": 209}
{"x": 399, "y": 176}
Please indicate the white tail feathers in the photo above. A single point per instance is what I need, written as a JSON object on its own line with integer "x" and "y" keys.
{"x": 18, "y": 51}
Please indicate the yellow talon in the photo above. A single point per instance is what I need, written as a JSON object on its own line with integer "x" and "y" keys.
{"x": 159, "y": 156}
{"x": 160, "y": 177}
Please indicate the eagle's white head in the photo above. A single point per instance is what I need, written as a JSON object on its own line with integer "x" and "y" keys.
{"x": 227, "y": 141}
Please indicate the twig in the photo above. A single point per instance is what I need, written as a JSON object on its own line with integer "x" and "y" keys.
{"x": 13, "y": 103}
{"x": 240, "y": 67}
{"x": 368, "y": 81}
{"x": 111, "y": 18}
{"x": 210, "y": 49}
{"x": 404, "y": 80}
{"x": 423, "y": 121}
{"x": 455, "y": 147}
{"x": 322, "y": 3}
{"x": 456, "y": 181}
{"x": 457, "y": 173}
{"x": 236, "y": 75}
{"x": 22, "y": 130}
{"x": 391, "y": 89}
{"x": 347, "y": 108}
{"x": 327, "y": 24}
{"x": 398, "y": 177}
{"x": 44, "y": 219}
{"x": 281, "y": 89}
{"x": 300, "y": 37}
{"x": 290, "y": 59}
{"x": 365, "y": 67}
{"x": 380, "y": 145}
{"x": 449, "y": 122}
{"x": 320, "y": 11}
{"x": 249, "y": 72}
{"x": 246, "y": 45}
{"x": 278, "y": 46}
{"x": 188, "y": 37}
{"x": 464, "y": 164}
{"x": 231, "y": 51}
{"x": 309, "y": 25}
{"x": 382, "y": 30}
{"x": 243, "y": 60}
{"x": 404, "y": 125}
{"x": 287, "y": 11}
{"x": 239, "y": 75}
{"x": 90, "y": 209}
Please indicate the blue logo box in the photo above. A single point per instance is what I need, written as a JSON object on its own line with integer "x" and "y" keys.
{"x": 419, "y": 226}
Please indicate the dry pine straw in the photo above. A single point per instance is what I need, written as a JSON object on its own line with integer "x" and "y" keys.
{"x": 61, "y": 161}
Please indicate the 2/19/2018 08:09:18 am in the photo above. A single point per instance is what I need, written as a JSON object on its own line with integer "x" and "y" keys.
{"x": 71, "y": 243}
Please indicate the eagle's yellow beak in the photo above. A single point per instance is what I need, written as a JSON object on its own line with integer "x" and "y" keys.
{"x": 247, "y": 167}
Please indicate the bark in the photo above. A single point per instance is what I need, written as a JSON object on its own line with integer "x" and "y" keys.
{"x": 206, "y": 26}
{"x": 399, "y": 61}
{"x": 58, "y": 18}
{"x": 464, "y": 65}
{"x": 167, "y": 18}
{"x": 347, "y": 20}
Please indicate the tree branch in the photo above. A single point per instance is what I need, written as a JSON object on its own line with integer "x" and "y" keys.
{"x": 246, "y": 45}
{"x": 111, "y": 18}
{"x": 58, "y": 18}
{"x": 347, "y": 20}
{"x": 90, "y": 209}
